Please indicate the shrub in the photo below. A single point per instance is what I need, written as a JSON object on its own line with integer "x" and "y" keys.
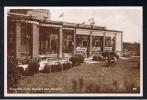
{"x": 56, "y": 68}
{"x": 75, "y": 61}
{"x": 53, "y": 68}
{"x": 80, "y": 57}
{"x": 12, "y": 77}
{"x": 19, "y": 71}
{"x": 33, "y": 67}
{"x": 105, "y": 54}
{"x": 95, "y": 58}
{"x": 47, "y": 69}
{"x": 112, "y": 54}
{"x": 66, "y": 66}
{"x": 25, "y": 61}
{"x": 59, "y": 66}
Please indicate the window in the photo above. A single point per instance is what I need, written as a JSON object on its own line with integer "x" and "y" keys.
{"x": 108, "y": 42}
{"x": 85, "y": 44}
{"x": 97, "y": 41}
{"x": 68, "y": 43}
{"x": 11, "y": 33}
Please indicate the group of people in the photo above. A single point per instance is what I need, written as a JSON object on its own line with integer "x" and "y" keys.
{"x": 110, "y": 58}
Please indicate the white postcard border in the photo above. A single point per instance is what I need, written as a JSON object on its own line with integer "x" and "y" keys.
{"x": 70, "y": 94}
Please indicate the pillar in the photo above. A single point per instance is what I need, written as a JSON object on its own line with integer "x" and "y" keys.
{"x": 18, "y": 40}
{"x": 104, "y": 42}
{"x": 60, "y": 42}
{"x": 115, "y": 42}
{"x": 35, "y": 44}
{"x": 121, "y": 44}
{"x": 74, "y": 48}
{"x": 90, "y": 44}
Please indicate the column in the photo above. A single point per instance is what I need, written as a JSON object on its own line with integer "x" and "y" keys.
{"x": 115, "y": 42}
{"x": 104, "y": 42}
{"x": 74, "y": 48}
{"x": 18, "y": 40}
{"x": 60, "y": 42}
{"x": 35, "y": 44}
{"x": 90, "y": 44}
{"x": 121, "y": 44}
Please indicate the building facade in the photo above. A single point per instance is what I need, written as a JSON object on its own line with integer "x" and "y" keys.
{"x": 35, "y": 35}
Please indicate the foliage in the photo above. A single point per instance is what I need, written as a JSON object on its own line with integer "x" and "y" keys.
{"x": 12, "y": 73}
{"x": 47, "y": 69}
{"x": 75, "y": 61}
{"x": 66, "y": 66}
{"x": 56, "y": 68}
{"x": 97, "y": 58}
{"x": 33, "y": 67}
{"x": 80, "y": 57}
{"x": 132, "y": 47}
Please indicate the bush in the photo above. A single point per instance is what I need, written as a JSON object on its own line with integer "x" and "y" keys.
{"x": 66, "y": 66}
{"x": 25, "y": 61}
{"x": 112, "y": 54}
{"x": 126, "y": 55}
{"x": 56, "y": 68}
{"x": 95, "y": 58}
{"x": 105, "y": 54}
{"x": 20, "y": 71}
{"x": 33, "y": 67}
{"x": 47, "y": 69}
{"x": 98, "y": 58}
{"x": 75, "y": 61}
{"x": 80, "y": 57}
{"x": 13, "y": 76}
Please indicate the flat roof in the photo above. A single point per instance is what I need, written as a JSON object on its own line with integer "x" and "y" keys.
{"x": 66, "y": 24}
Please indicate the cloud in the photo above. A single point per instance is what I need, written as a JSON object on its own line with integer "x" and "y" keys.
{"x": 127, "y": 20}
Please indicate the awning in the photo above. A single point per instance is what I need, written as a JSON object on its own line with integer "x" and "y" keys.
{"x": 97, "y": 33}
{"x": 83, "y": 32}
{"x": 24, "y": 21}
{"x": 49, "y": 25}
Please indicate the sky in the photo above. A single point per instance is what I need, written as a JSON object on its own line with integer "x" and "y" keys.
{"x": 126, "y": 19}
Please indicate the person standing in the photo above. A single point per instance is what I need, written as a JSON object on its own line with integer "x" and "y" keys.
{"x": 88, "y": 52}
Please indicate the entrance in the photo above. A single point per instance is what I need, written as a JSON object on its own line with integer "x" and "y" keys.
{"x": 53, "y": 43}
{"x": 85, "y": 43}
{"x": 48, "y": 40}
{"x": 68, "y": 39}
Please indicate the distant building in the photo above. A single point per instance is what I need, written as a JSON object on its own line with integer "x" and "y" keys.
{"x": 31, "y": 32}
{"x": 39, "y": 13}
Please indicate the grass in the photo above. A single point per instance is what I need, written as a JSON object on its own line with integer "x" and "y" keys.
{"x": 86, "y": 78}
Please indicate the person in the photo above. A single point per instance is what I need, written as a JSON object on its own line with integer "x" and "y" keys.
{"x": 88, "y": 52}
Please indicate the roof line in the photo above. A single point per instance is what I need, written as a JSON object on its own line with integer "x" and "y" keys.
{"x": 60, "y": 22}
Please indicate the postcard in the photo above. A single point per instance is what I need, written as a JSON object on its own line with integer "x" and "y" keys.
{"x": 73, "y": 51}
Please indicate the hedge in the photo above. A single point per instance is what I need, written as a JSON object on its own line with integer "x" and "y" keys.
{"x": 33, "y": 68}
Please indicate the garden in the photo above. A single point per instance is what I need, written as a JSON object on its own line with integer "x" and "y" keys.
{"x": 75, "y": 76}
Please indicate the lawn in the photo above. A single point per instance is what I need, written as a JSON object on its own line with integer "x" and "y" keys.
{"x": 86, "y": 78}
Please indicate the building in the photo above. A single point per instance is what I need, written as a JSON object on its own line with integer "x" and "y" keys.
{"x": 32, "y": 33}
{"x": 39, "y": 13}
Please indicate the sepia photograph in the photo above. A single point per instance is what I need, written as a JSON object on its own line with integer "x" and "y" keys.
{"x": 73, "y": 51}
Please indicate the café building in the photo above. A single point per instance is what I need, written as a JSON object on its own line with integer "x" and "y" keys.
{"x": 32, "y": 33}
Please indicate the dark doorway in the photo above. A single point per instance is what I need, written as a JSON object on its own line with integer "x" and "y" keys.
{"x": 54, "y": 44}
